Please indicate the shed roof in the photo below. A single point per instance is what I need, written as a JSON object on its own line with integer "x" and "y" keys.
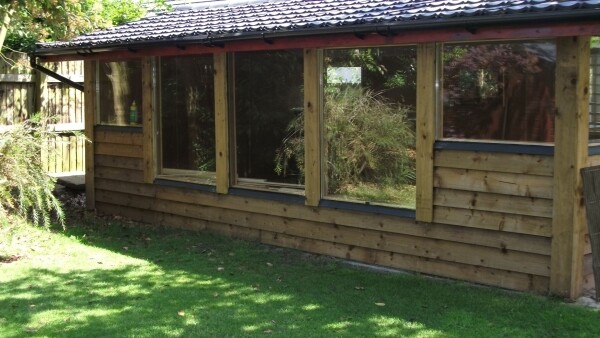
{"x": 251, "y": 19}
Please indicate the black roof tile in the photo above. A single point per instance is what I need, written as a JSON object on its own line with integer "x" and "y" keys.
{"x": 224, "y": 20}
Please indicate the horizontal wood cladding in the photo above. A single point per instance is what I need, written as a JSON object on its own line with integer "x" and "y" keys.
{"x": 493, "y": 182}
{"x": 538, "y": 226}
{"x": 428, "y": 265}
{"x": 118, "y": 137}
{"x": 528, "y": 206}
{"x": 474, "y": 254}
{"x": 495, "y": 162}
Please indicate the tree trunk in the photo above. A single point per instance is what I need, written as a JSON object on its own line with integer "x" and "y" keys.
{"x": 119, "y": 78}
{"x": 6, "y": 13}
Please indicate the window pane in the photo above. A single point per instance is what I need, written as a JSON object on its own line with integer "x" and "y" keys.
{"x": 120, "y": 93}
{"x": 268, "y": 116}
{"x": 499, "y": 91}
{"x": 595, "y": 90}
{"x": 369, "y": 124}
{"x": 187, "y": 113}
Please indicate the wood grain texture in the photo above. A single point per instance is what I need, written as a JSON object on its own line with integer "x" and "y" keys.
{"x": 148, "y": 125}
{"x": 425, "y": 134}
{"x": 528, "y": 206}
{"x": 494, "y": 182}
{"x": 221, "y": 123}
{"x": 570, "y": 155}
{"x": 312, "y": 127}
{"x": 496, "y": 162}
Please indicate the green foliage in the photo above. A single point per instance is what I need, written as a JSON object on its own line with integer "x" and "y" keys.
{"x": 369, "y": 143}
{"x": 25, "y": 188}
{"x": 368, "y": 139}
{"x": 107, "y": 278}
{"x": 52, "y": 20}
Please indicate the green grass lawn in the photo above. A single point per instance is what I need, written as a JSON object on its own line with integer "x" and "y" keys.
{"x": 111, "y": 279}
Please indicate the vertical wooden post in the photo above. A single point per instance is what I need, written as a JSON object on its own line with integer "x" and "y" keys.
{"x": 148, "y": 128}
{"x": 89, "y": 74}
{"x": 426, "y": 98}
{"x": 570, "y": 155}
{"x": 221, "y": 123}
{"x": 312, "y": 126}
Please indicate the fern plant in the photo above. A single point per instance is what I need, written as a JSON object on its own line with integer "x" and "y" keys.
{"x": 25, "y": 187}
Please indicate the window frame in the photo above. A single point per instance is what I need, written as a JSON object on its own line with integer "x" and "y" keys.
{"x": 440, "y": 93}
{"x": 237, "y": 183}
{"x": 327, "y": 200}
{"x": 195, "y": 177}
{"x": 97, "y": 96}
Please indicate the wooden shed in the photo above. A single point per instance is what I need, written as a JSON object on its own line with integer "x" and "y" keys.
{"x": 442, "y": 137}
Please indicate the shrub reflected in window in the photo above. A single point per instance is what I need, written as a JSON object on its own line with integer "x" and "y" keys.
{"x": 499, "y": 91}
{"x": 268, "y": 103}
{"x": 369, "y": 125}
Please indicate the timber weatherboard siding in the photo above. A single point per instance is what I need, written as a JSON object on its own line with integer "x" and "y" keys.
{"x": 515, "y": 255}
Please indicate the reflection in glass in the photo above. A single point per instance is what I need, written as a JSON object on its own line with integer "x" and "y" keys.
{"x": 187, "y": 113}
{"x": 120, "y": 93}
{"x": 268, "y": 101}
{"x": 499, "y": 91}
{"x": 369, "y": 124}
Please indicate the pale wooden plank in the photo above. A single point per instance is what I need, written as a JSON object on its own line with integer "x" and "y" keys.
{"x": 126, "y": 175}
{"x": 125, "y": 187}
{"x": 359, "y": 220}
{"x": 312, "y": 127}
{"x": 493, "y": 182}
{"x": 419, "y": 246}
{"x": 119, "y": 162}
{"x": 506, "y": 163}
{"x": 123, "y": 150}
{"x": 493, "y": 202}
{"x": 538, "y": 226}
{"x": 221, "y": 123}
{"x": 478, "y": 274}
{"x": 426, "y": 98}
{"x": 148, "y": 125}
{"x": 119, "y": 137}
{"x": 570, "y": 155}
{"x": 593, "y": 160}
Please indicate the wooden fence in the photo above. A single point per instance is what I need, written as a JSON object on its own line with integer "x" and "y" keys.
{"x": 24, "y": 92}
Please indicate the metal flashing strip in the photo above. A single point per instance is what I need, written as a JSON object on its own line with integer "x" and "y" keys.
{"x": 267, "y": 195}
{"x": 367, "y": 208}
{"x": 509, "y": 148}
{"x": 186, "y": 185}
{"x": 594, "y": 150}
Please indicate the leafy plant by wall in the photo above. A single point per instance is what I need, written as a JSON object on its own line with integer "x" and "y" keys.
{"x": 25, "y": 187}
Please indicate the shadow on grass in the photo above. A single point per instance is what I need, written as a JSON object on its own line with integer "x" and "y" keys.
{"x": 145, "y": 281}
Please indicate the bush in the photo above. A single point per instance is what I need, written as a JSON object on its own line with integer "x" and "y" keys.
{"x": 25, "y": 188}
{"x": 368, "y": 140}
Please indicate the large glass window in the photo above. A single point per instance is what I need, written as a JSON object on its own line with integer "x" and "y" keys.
{"x": 120, "y": 93}
{"x": 187, "y": 118}
{"x": 500, "y": 91}
{"x": 268, "y": 101}
{"x": 369, "y": 125}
